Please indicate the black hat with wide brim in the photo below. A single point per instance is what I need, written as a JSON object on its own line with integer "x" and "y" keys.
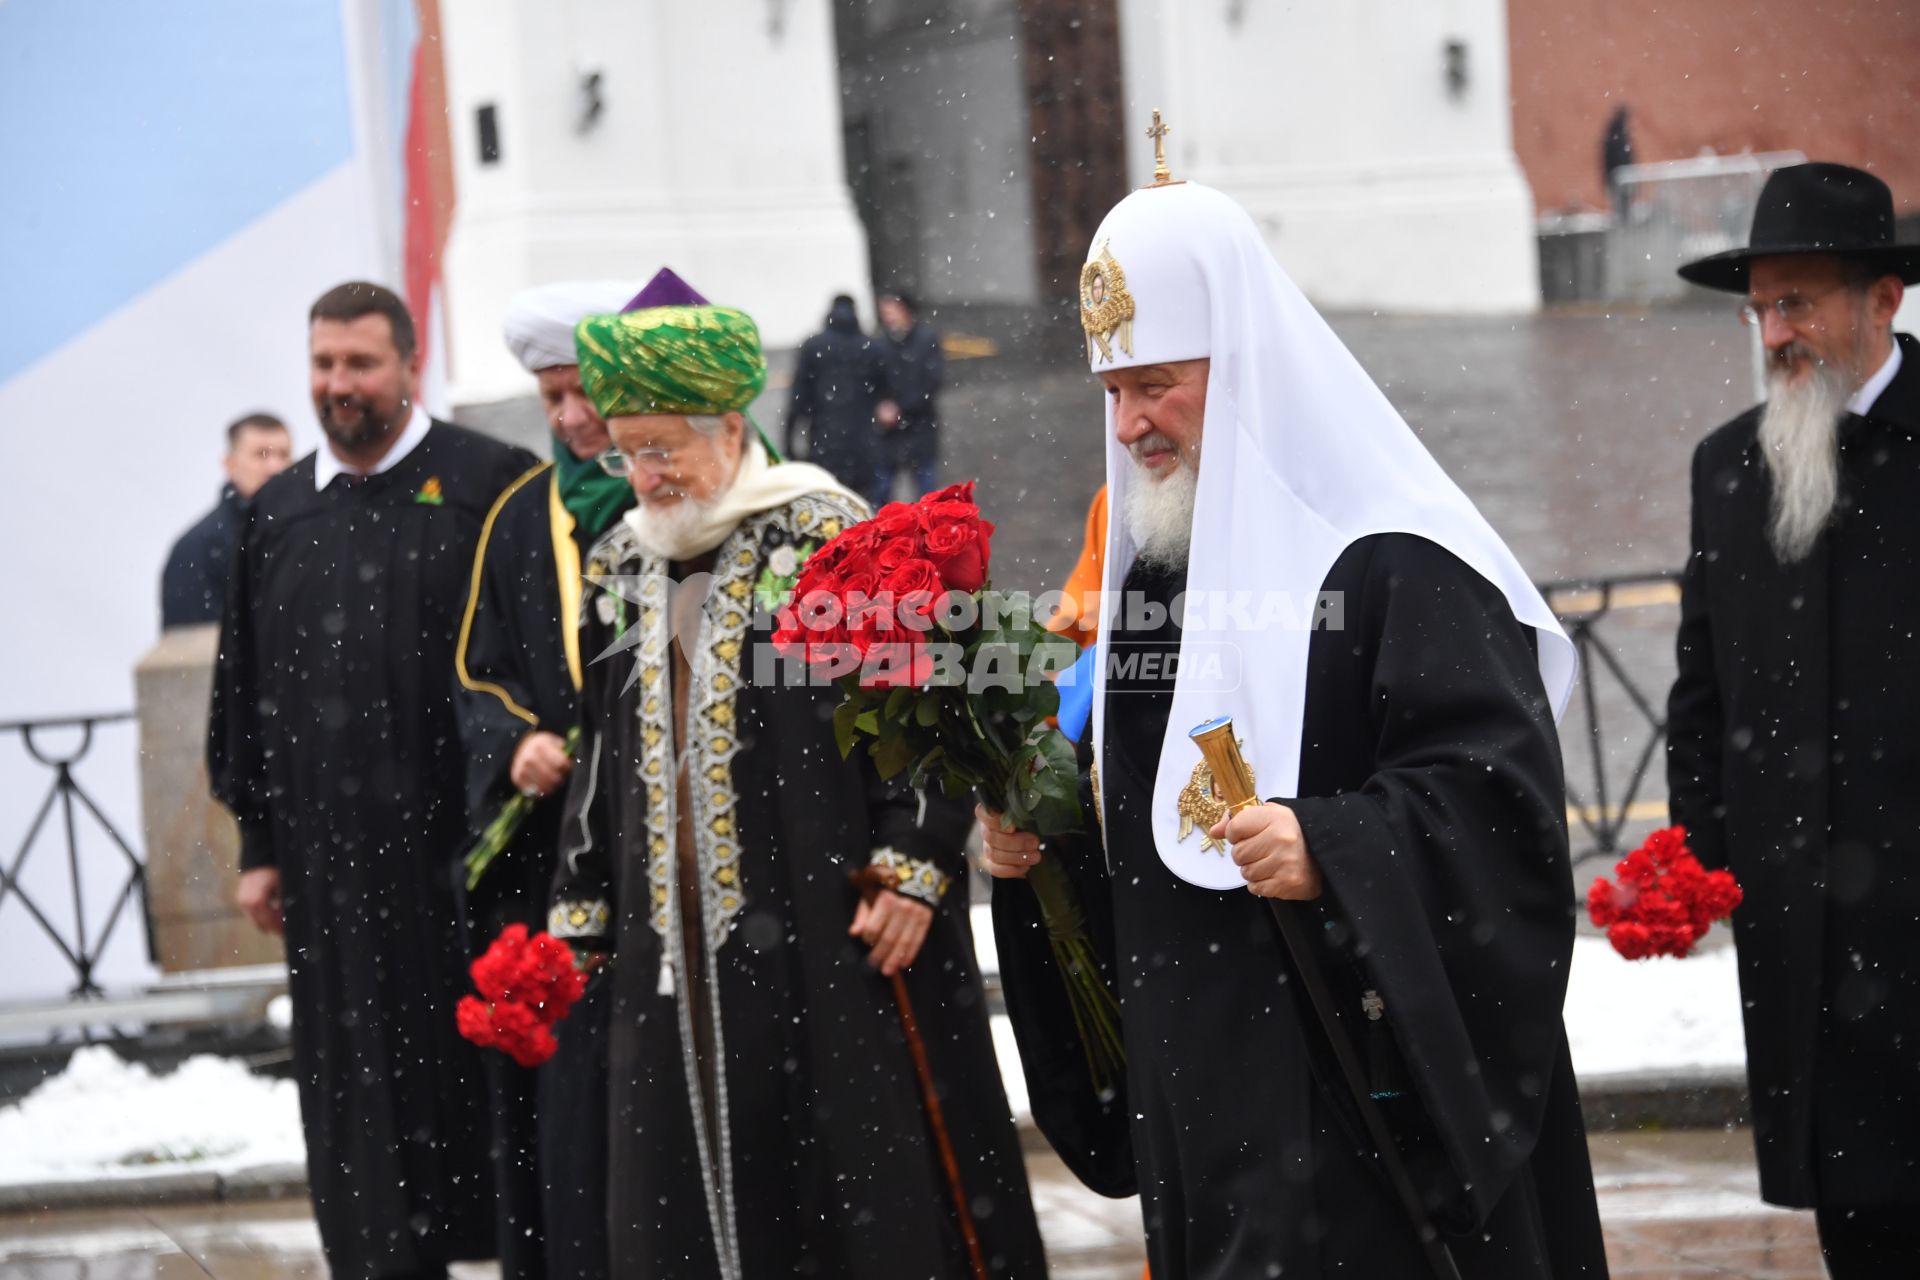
{"x": 1815, "y": 208}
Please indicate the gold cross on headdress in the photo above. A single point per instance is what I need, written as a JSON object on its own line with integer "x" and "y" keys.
{"x": 1162, "y": 176}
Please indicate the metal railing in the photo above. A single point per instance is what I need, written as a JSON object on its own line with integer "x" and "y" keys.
{"x": 1603, "y": 804}
{"x": 1678, "y": 210}
{"x": 79, "y": 946}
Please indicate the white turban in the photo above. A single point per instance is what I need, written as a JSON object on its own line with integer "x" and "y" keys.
{"x": 539, "y": 322}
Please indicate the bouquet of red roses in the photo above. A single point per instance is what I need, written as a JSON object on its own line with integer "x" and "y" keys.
{"x": 1664, "y": 901}
{"x": 526, "y": 985}
{"x": 952, "y": 683}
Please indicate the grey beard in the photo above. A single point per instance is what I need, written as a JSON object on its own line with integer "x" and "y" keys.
{"x": 1159, "y": 516}
{"x": 669, "y": 533}
{"x": 1800, "y": 444}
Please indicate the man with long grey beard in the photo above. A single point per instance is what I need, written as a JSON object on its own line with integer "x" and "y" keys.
{"x": 1792, "y": 754}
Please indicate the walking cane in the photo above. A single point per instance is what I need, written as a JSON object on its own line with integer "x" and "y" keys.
{"x": 1234, "y": 781}
{"x": 870, "y": 881}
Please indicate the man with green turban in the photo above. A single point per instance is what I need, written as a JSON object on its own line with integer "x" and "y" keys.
{"x": 520, "y": 671}
{"x": 767, "y": 1116}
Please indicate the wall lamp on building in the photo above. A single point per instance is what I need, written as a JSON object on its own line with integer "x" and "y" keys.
{"x": 1456, "y": 66}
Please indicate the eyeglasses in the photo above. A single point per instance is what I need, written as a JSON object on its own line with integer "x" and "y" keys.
{"x": 1793, "y": 308}
{"x": 652, "y": 461}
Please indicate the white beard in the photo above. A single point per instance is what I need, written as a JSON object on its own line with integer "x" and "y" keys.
{"x": 1159, "y": 514}
{"x": 672, "y": 530}
{"x": 1800, "y": 444}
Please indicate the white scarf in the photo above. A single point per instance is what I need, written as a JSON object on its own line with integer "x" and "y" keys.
{"x": 758, "y": 485}
{"x": 1302, "y": 456}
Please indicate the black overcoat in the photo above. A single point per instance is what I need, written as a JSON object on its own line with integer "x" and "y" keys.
{"x": 1791, "y": 759}
{"x": 1431, "y": 798}
{"x": 839, "y": 378}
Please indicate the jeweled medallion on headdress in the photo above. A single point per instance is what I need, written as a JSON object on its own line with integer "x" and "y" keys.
{"x": 1106, "y": 308}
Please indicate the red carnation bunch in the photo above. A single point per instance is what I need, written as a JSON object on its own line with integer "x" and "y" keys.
{"x": 526, "y": 985}
{"x": 868, "y": 600}
{"x": 1664, "y": 901}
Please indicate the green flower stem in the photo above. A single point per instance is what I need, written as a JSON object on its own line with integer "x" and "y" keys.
{"x": 1096, "y": 1014}
{"x": 505, "y": 826}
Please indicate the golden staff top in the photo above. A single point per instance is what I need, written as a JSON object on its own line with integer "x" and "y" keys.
{"x": 1162, "y": 176}
{"x": 1231, "y": 776}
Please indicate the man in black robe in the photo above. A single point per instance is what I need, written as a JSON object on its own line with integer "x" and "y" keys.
{"x": 768, "y": 1116}
{"x": 193, "y": 586}
{"x": 1404, "y": 720}
{"x": 520, "y": 671}
{"x": 1791, "y": 749}
{"x": 519, "y": 667}
{"x": 334, "y": 740}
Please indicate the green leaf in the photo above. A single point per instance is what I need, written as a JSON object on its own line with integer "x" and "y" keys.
{"x": 892, "y": 754}
{"x": 868, "y": 722}
{"x": 897, "y": 703}
{"x": 844, "y": 729}
{"x": 1049, "y": 783}
{"x": 926, "y": 711}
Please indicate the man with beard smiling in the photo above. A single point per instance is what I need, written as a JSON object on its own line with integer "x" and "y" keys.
{"x": 335, "y": 742}
{"x": 1791, "y": 753}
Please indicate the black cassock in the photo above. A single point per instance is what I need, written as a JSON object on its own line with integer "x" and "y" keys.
{"x": 1791, "y": 759}
{"x": 520, "y": 670}
{"x": 335, "y": 742}
{"x": 1431, "y": 799}
{"x": 767, "y": 1119}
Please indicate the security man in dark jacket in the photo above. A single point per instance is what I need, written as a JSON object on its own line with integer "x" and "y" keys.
{"x": 193, "y": 586}
{"x": 910, "y": 354}
{"x": 837, "y": 385}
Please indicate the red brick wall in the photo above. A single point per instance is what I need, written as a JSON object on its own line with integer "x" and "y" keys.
{"x": 1836, "y": 79}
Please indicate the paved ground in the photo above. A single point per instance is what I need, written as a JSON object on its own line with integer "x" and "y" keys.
{"x": 1675, "y": 1205}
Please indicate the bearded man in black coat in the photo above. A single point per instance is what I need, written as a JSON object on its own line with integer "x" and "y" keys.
{"x": 1791, "y": 752}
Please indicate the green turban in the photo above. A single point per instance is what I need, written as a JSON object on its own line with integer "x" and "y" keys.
{"x": 689, "y": 360}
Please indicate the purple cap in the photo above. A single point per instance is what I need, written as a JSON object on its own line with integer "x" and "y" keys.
{"x": 665, "y": 290}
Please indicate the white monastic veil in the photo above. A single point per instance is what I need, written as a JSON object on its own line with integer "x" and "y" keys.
{"x": 1301, "y": 456}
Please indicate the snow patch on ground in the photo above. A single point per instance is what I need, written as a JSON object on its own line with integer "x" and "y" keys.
{"x": 103, "y": 1118}
{"x": 1641, "y": 1016}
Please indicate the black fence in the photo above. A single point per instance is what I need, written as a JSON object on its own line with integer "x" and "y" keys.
{"x": 1614, "y": 716}
{"x": 1610, "y": 707}
{"x": 68, "y": 807}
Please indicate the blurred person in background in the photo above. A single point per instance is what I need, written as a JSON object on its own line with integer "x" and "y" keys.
{"x": 333, "y": 738}
{"x": 838, "y": 384}
{"x": 193, "y": 586}
{"x": 1791, "y": 751}
{"x": 910, "y": 424}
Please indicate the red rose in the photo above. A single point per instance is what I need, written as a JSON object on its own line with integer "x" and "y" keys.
{"x": 962, "y": 492}
{"x": 958, "y": 544}
{"x": 894, "y": 552}
{"x": 896, "y": 664}
{"x": 893, "y": 520}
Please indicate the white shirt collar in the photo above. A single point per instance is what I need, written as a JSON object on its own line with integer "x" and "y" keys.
{"x": 1870, "y": 390}
{"x": 326, "y": 466}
